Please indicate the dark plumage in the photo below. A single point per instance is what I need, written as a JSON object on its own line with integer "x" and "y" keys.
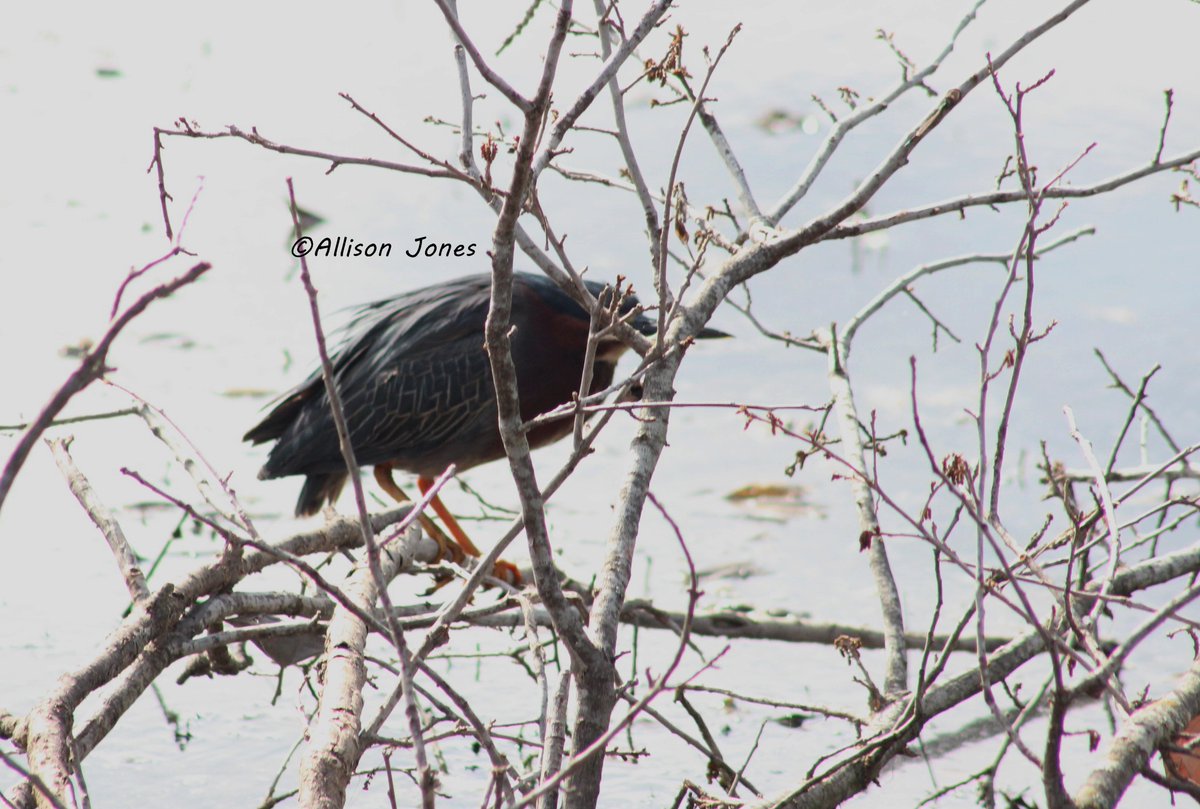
{"x": 417, "y": 387}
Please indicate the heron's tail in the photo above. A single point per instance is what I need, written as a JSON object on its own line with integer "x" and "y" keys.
{"x": 319, "y": 490}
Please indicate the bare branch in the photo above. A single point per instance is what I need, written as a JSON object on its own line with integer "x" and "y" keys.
{"x": 92, "y": 367}
{"x": 126, "y": 559}
{"x": 1147, "y": 729}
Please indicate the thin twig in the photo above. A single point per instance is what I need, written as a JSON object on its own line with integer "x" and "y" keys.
{"x": 92, "y": 367}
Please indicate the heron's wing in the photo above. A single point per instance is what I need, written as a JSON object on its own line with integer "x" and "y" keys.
{"x": 411, "y": 369}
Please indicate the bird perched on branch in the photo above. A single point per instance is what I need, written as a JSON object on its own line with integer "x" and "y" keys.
{"x": 417, "y": 390}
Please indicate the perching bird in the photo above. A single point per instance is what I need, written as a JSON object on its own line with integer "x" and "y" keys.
{"x": 417, "y": 389}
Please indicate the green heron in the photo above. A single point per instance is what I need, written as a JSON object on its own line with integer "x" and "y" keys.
{"x": 417, "y": 388}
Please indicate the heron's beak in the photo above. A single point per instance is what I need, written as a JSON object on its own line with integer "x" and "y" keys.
{"x": 648, "y": 326}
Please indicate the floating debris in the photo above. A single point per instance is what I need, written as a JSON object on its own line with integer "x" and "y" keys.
{"x": 78, "y": 350}
{"x": 246, "y": 393}
{"x": 779, "y": 499}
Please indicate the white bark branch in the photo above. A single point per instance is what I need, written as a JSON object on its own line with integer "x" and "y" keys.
{"x": 1141, "y": 733}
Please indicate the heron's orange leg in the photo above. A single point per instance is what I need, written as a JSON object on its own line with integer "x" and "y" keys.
{"x": 505, "y": 571}
{"x": 447, "y": 548}
{"x": 456, "y": 531}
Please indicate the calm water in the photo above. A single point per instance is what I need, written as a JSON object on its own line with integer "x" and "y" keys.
{"x": 78, "y": 211}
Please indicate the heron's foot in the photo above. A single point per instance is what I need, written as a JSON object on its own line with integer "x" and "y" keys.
{"x": 507, "y": 572}
{"x": 456, "y": 546}
{"x": 503, "y": 570}
{"x": 448, "y": 549}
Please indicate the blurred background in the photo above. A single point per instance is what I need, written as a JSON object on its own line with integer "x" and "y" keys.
{"x": 82, "y": 85}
